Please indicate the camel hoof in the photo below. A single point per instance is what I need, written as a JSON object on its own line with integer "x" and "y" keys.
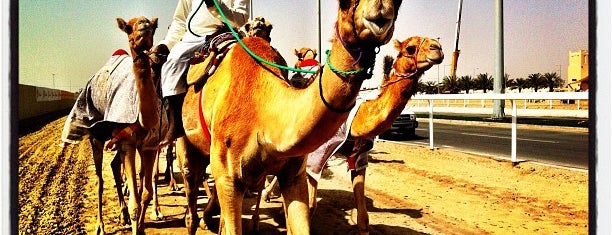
{"x": 100, "y": 229}
{"x": 156, "y": 215}
{"x": 203, "y": 224}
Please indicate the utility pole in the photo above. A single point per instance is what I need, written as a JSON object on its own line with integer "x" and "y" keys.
{"x": 438, "y": 84}
{"x": 498, "y": 80}
{"x": 453, "y": 76}
{"x": 53, "y": 79}
{"x": 319, "y": 11}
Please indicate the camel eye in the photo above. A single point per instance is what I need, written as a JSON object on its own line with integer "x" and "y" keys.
{"x": 411, "y": 50}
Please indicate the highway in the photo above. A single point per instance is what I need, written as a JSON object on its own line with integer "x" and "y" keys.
{"x": 551, "y": 145}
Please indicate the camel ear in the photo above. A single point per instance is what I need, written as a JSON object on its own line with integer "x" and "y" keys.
{"x": 397, "y": 44}
{"x": 314, "y": 51}
{"x": 124, "y": 26}
{"x": 154, "y": 23}
{"x": 296, "y": 52}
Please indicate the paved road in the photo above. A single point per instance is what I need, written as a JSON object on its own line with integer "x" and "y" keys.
{"x": 559, "y": 147}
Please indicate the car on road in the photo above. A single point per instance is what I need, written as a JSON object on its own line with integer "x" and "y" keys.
{"x": 404, "y": 125}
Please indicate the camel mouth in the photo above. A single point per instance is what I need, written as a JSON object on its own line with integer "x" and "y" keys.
{"x": 378, "y": 26}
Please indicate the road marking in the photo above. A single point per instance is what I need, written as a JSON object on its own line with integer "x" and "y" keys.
{"x": 503, "y": 137}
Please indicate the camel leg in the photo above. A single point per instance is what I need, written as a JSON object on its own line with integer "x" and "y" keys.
{"x": 97, "y": 152}
{"x": 156, "y": 214}
{"x": 229, "y": 191}
{"x": 128, "y": 150}
{"x": 358, "y": 179}
{"x": 255, "y": 218}
{"x": 193, "y": 166}
{"x": 147, "y": 162}
{"x": 294, "y": 190}
{"x": 212, "y": 206}
{"x": 116, "y": 164}
{"x": 312, "y": 195}
{"x": 170, "y": 168}
{"x": 269, "y": 188}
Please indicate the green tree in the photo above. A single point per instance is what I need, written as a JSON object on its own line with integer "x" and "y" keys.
{"x": 484, "y": 82}
{"x": 465, "y": 83}
{"x": 450, "y": 85}
{"x": 428, "y": 87}
{"x": 553, "y": 80}
{"x": 519, "y": 83}
{"x": 536, "y": 81}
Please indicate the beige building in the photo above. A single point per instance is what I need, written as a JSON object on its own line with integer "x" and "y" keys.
{"x": 578, "y": 70}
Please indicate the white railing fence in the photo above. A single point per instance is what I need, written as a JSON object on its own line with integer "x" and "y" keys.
{"x": 513, "y": 97}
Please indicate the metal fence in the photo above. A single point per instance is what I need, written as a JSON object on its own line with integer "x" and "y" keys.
{"x": 513, "y": 97}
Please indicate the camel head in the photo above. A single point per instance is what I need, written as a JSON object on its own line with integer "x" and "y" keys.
{"x": 417, "y": 54}
{"x": 140, "y": 31}
{"x": 305, "y": 53}
{"x": 258, "y": 27}
{"x": 367, "y": 23}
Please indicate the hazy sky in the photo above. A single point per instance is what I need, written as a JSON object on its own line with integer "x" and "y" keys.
{"x": 73, "y": 38}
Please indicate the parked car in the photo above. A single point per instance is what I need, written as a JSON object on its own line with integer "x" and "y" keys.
{"x": 404, "y": 125}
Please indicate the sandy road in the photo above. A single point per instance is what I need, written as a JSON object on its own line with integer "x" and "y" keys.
{"x": 410, "y": 190}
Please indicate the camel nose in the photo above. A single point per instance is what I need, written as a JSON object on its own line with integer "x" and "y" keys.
{"x": 435, "y": 47}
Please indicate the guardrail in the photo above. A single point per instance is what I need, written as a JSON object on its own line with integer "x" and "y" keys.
{"x": 491, "y": 96}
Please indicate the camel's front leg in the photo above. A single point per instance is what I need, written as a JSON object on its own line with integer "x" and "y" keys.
{"x": 312, "y": 195}
{"x": 294, "y": 189}
{"x": 147, "y": 162}
{"x": 128, "y": 150}
{"x": 97, "y": 152}
{"x": 358, "y": 179}
{"x": 156, "y": 213}
{"x": 229, "y": 191}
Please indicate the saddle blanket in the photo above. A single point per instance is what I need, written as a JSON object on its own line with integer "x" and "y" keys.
{"x": 317, "y": 160}
{"x": 108, "y": 101}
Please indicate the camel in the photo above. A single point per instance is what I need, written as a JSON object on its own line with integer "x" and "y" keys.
{"x": 104, "y": 110}
{"x": 253, "y": 124}
{"x": 416, "y": 55}
{"x": 306, "y": 60}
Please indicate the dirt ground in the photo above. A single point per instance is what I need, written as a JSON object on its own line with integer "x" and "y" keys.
{"x": 409, "y": 189}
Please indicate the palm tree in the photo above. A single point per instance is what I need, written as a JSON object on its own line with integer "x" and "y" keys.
{"x": 450, "y": 85}
{"x": 553, "y": 80}
{"x": 519, "y": 83}
{"x": 483, "y": 81}
{"x": 465, "y": 83}
{"x": 536, "y": 80}
{"x": 429, "y": 87}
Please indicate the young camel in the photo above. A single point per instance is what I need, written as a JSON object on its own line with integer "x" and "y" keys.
{"x": 124, "y": 108}
{"x": 416, "y": 55}
{"x": 258, "y": 123}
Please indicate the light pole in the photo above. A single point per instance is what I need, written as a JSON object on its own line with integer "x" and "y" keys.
{"x": 53, "y": 79}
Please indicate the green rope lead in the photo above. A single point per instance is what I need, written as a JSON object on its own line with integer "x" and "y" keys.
{"x": 256, "y": 57}
{"x": 336, "y": 70}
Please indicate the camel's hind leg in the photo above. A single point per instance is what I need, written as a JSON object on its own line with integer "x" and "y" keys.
{"x": 170, "y": 167}
{"x": 193, "y": 166}
{"x": 128, "y": 150}
{"x": 294, "y": 190}
{"x": 116, "y": 163}
{"x": 97, "y": 152}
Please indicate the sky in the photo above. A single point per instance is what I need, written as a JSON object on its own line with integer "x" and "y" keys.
{"x": 63, "y": 42}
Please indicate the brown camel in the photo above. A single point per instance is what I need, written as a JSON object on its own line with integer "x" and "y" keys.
{"x": 306, "y": 60}
{"x": 373, "y": 117}
{"x": 258, "y": 123}
{"x": 106, "y": 109}
{"x": 416, "y": 55}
